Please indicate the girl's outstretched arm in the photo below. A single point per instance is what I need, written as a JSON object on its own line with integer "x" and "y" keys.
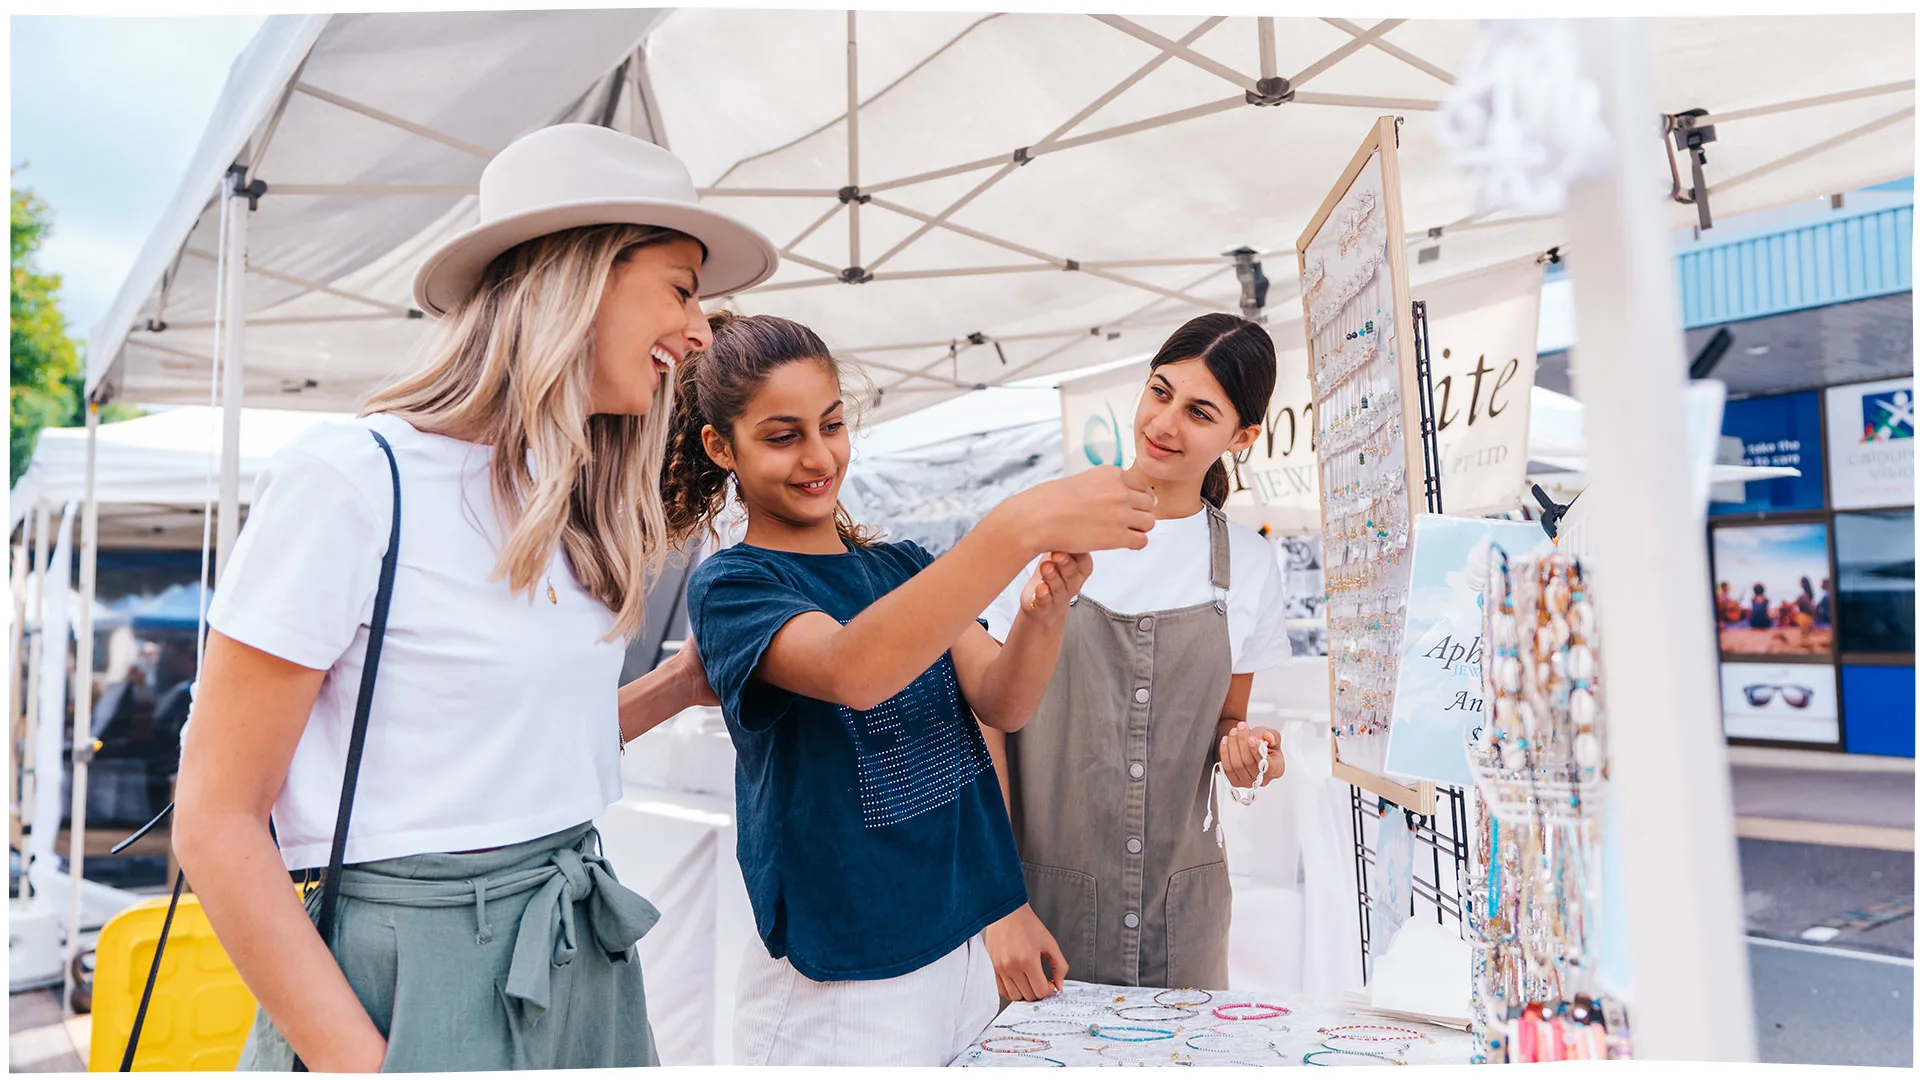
{"x": 900, "y": 636}
{"x": 1004, "y": 683}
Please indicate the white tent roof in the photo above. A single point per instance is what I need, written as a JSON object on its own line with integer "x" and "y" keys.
{"x": 155, "y": 473}
{"x": 1145, "y": 163}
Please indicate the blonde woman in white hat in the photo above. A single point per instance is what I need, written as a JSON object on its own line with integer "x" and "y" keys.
{"x": 475, "y": 925}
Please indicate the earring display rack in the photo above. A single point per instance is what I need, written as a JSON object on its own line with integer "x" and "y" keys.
{"x": 1373, "y": 480}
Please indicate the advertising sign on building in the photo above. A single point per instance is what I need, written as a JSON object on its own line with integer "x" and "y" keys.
{"x": 1482, "y": 333}
{"x": 1780, "y": 430}
{"x": 1870, "y": 444}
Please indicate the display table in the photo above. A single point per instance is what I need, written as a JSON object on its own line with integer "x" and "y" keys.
{"x": 1090, "y": 1024}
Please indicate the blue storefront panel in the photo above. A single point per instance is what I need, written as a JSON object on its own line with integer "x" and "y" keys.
{"x": 1879, "y": 704}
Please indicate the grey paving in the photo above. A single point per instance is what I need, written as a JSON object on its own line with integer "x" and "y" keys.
{"x": 1790, "y": 887}
{"x": 1830, "y": 1008}
{"x": 1846, "y": 798}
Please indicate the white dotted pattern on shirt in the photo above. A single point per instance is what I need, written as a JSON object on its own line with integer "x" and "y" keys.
{"x": 916, "y": 751}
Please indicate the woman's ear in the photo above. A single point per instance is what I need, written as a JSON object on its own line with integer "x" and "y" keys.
{"x": 716, "y": 447}
{"x": 1243, "y": 438}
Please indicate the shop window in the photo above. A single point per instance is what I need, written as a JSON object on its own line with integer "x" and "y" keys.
{"x": 1875, "y": 555}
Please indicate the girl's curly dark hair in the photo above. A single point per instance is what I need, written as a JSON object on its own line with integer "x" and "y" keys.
{"x": 712, "y": 388}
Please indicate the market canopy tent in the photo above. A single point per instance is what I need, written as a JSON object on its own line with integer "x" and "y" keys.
{"x": 155, "y": 474}
{"x": 1015, "y": 194}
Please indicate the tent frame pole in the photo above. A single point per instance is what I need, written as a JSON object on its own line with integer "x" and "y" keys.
{"x": 1668, "y": 754}
{"x": 851, "y": 196}
{"x": 16, "y": 644}
{"x": 83, "y": 742}
{"x": 233, "y": 342}
{"x": 42, "y": 521}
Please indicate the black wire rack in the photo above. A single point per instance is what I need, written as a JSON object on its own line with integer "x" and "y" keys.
{"x": 1439, "y": 873}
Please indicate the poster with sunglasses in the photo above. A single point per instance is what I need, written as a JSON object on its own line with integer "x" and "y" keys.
{"x": 1773, "y": 592}
{"x": 1780, "y": 702}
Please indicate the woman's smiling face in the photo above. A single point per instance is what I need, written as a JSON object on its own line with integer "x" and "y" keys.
{"x": 648, "y": 321}
{"x": 1184, "y": 423}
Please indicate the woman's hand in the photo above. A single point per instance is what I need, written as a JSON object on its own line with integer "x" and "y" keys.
{"x": 1240, "y": 755}
{"x": 1055, "y": 581}
{"x": 1017, "y": 945}
{"x": 693, "y": 675}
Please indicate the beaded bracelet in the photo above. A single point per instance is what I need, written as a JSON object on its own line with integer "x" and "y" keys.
{"x": 1307, "y": 1059}
{"x": 1099, "y": 1031}
{"x": 1005, "y": 1056}
{"x": 1034, "y": 1044}
{"x": 1271, "y": 1029}
{"x": 1271, "y": 1011}
{"x": 1064, "y": 1027}
{"x": 1204, "y": 998}
{"x": 1246, "y": 1042}
{"x": 1402, "y": 1034}
{"x": 1178, "y": 1013}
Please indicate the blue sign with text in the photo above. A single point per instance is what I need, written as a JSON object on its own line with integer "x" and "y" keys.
{"x": 1781, "y": 430}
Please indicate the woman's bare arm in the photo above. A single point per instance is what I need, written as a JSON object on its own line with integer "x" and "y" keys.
{"x": 248, "y": 715}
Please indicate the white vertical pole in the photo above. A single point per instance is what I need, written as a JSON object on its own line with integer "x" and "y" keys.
{"x": 1669, "y": 761}
{"x": 42, "y": 531}
{"x": 233, "y": 340}
{"x": 853, "y": 141}
{"x": 16, "y": 642}
{"x": 1269, "y": 64}
{"x": 83, "y": 745}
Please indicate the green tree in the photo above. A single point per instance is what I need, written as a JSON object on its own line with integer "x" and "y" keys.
{"x": 46, "y": 373}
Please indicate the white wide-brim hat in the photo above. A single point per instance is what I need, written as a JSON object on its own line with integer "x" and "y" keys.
{"x": 570, "y": 175}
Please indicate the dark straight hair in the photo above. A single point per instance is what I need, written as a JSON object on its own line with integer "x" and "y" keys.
{"x": 1239, "y": 355}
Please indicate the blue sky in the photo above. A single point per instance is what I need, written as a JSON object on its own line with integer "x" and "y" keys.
{"x": 106, "y": 114}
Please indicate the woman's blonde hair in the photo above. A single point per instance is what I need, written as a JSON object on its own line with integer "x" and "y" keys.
{"x": 511, "y": 367}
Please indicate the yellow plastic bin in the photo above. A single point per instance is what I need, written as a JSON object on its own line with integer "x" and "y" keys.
{"x": 201, "y": 1011}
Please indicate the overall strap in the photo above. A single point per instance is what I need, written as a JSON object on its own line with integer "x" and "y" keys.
{"x": 1219, "y": 553}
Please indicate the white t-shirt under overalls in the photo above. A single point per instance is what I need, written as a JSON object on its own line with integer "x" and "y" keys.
{"x": 495, "y": 717}
{"x": 1172, "y": 572}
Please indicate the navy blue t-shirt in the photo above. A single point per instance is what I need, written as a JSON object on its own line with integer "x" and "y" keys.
{"x": 872, "y": 843}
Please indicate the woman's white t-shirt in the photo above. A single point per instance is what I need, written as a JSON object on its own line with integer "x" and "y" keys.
{"x": 495, "y": 717}
{"x": 1174, "y": 571}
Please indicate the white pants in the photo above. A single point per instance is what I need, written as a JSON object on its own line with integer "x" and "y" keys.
{"x": 925, "y": 1017}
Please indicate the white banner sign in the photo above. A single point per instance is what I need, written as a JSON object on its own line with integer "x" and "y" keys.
{"x": 1482, "y": 331}
{"x": 1870, "y": 444}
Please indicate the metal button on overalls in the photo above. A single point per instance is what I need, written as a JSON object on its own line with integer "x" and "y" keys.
{"x": 1109, "y": 789}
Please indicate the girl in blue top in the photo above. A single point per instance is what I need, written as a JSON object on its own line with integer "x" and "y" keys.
{"x": 872, "y": 834}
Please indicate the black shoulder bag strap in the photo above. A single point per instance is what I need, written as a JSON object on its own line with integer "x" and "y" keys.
{"x": 356, "y": 746}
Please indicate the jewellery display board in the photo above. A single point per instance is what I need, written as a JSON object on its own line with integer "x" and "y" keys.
{"x": 1539, "y": 762}
{"x": 1092, "y": 1024}
{"x": 1373, "y": 475}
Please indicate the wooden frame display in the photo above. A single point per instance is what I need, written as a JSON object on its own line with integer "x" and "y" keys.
{"x": 1360, "y": 360}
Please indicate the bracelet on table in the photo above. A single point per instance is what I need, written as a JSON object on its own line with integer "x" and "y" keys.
{"x": 1177, "y": 1012}
{"x": 1158, "y": 999}
{"x": 1062, "y": 1027}
{"x": 1146, "y": 1034}
{"x": 1034, "y": 1044}
{"x": 1247, "y": 1042}
{"x": 1400, "y": 1034}
{"x": 1271, "y": 1011}
{"x": 1307, "y": 1059}
{"x": 1229, "y": 1028}
{"x": 978, "y": 1056}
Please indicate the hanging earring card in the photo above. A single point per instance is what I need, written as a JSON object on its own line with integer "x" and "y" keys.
{"x": 1360, "y": 360}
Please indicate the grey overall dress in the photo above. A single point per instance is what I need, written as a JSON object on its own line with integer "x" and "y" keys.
{"x": 1109, "y": 787}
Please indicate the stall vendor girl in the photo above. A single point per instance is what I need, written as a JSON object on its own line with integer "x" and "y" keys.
{"x": 1108, "y": 785}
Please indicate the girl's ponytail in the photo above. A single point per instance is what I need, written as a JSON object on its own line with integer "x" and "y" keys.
{"x": 692, "y": 485}
{"x": 1216, "y": 487}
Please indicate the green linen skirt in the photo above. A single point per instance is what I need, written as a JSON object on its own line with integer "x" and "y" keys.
{"x": 520, "y": 958}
